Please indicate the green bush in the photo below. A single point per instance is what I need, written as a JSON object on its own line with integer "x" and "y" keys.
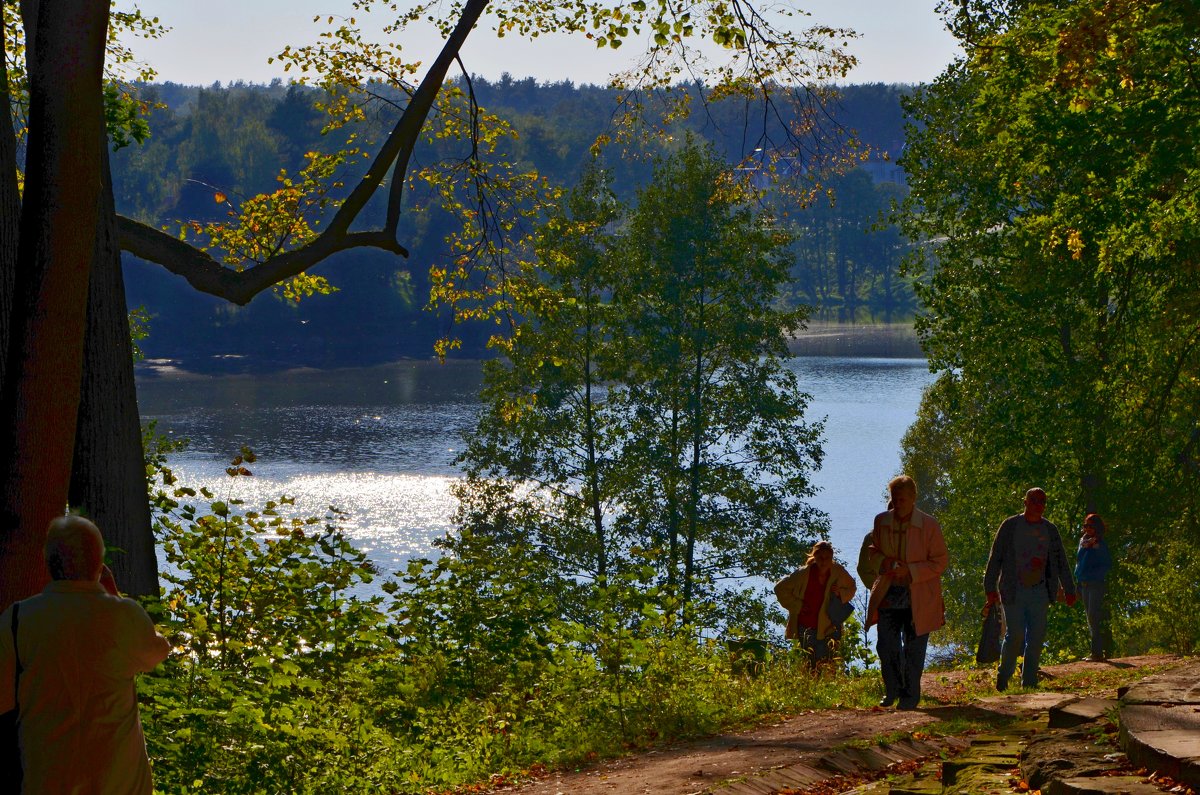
{"x": 285, "y": 678}
{"x": 1161, "y": 617}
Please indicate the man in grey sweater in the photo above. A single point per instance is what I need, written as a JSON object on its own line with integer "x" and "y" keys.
{"x": 1024, "y": 571}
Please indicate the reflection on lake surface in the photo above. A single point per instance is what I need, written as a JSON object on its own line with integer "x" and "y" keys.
{"x": 380, "y": 442}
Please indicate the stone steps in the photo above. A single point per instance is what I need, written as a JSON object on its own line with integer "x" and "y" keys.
{"x": 1160, "y": 723}
{"x": 1057, "y": 753}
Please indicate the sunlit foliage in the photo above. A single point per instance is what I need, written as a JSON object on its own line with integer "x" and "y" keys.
{"x": 1053, "y": 172}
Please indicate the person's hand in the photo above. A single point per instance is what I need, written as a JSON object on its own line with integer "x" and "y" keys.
{"x": 108, "y": 581}
{"x": 1071, "y": 599}
{"x": 993, "y": 597}
{"x": 902, "y": 576}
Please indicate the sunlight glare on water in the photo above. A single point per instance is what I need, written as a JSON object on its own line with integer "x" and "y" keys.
{"x": 391, "y": 516}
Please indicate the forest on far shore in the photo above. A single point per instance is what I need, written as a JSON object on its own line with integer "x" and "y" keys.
{"x": 211, "y": 148}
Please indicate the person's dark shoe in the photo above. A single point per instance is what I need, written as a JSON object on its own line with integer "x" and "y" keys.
{"x": 908, "y": 703}
{"x": 887, "y": 701}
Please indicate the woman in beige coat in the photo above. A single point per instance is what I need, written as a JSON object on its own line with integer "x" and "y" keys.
{"x": 806, "y": 594}
{"x": 902, "y": 561}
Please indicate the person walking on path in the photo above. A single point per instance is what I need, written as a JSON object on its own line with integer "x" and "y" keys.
{"x": 902, "y": 560}
{"x": 1025, "y": 569}
{"x": 1092, "y": 563}
{"x": 807, "y": 595}
{"x": 73, "y": 653}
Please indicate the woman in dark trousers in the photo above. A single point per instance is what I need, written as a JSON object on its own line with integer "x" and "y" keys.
{"x": 806, "y": 594}
{"x": 1091, "y": 568}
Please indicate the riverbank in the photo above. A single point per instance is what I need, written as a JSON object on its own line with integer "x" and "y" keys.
{"x": 870, "y": 340}
{"x": 819, "y": 338}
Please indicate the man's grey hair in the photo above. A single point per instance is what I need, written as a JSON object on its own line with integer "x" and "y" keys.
{"x": 74, "y": 549}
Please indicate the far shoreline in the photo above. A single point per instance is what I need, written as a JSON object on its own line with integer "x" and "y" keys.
{"x": 817, "y": 339}
{"x": 862, "y": 340}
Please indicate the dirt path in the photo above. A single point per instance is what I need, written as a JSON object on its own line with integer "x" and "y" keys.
{"x": 695, "y": 767}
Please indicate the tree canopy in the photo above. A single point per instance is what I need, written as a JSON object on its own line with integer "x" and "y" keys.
{"x": 48, "y": 310}
{"x": 1053, "y": 172}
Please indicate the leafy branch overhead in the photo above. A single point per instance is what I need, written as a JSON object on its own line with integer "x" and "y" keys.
{"x": 274, "y": 238}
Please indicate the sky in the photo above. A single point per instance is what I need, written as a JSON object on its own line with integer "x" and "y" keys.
{"x": 901, "y": 41}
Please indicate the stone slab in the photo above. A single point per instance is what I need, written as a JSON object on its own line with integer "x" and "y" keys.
{"x": 891, "y": 754}
{"x": 1009, "y": 747}
{"x": 1080, "y": 711}
{"x": 905, "y": 751}
{"x": 793, "y": 777}
{"x": 1065, "y": 753}
{"x": 1101, "y": 785}
{"x": 1172, "y": 752}
{"x": 1025, "y": 702}
{"x": 776, "y": 781}
{"x": 840, "y": 762}
{"x": 1146, "y": 717}
{"x": 808, "y": 773}
{"x": 1179, "y": 685}
{"x": 749, "y": 787}
{"x": 871, "y": 759}
{"x": 979, "y": 781}
{"x": 797, "y": 776}
{"x": 953, "y": 743}
{"x": 877, "y": 788}
{"x": 918, "y": 786}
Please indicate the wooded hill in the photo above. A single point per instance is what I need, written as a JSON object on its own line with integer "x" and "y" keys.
{"x": 198, "y": 163}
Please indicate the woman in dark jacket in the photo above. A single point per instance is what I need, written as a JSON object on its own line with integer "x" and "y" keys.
{"x": 1091, "y": 568}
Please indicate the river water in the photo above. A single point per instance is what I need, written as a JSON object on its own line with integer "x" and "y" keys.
{"x": 379, "y": 443}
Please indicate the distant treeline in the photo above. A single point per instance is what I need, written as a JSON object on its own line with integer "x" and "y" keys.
{"x": 218, "y": 145}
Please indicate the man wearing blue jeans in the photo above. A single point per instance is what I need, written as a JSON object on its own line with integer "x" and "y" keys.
{"x": 1024, "y": 571}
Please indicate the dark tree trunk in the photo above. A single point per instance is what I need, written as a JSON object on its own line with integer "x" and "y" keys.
{"x": 108, "y": 482}
{"x": 39, "y": 401}
{"x": 10, "y": 212}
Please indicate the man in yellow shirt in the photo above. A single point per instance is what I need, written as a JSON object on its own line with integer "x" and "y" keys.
{"x": 78, "y": 646}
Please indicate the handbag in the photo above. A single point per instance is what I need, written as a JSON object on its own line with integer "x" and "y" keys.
{"x": 10, "y": 750}
{"x": 990, "y": 635}
{"x": 837, "y": 610}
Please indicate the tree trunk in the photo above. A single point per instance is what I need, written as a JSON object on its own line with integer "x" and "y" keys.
{"x": 108, "y": 483}
{"x": 10, "y": 212}
{"x": 40, "y": 397}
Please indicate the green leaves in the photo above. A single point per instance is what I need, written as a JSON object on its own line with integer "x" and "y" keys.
{"x": 268, "y": 224}
{"x": 641, "y": 418}
{"x": 270, "y": 644}
{"x": 1049, "y": 165}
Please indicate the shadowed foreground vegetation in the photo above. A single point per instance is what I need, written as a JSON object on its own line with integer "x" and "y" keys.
{"x": 287, "y": 678}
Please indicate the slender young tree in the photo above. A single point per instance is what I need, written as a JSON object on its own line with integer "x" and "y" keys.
{"x": 642, "y": 414}
{"x": 718, "y": 449}
{"x": 545, "y": 421}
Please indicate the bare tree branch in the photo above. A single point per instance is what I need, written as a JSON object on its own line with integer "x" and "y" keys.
{"x": 208, "y": 275}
